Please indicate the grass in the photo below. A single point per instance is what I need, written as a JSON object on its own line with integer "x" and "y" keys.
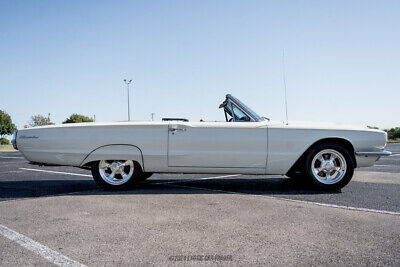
{"x": 397, "y": 140}
{"x": 6, "y": 148}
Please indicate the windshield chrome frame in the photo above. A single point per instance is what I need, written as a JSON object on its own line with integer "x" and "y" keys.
{"x": 243, "y": 108}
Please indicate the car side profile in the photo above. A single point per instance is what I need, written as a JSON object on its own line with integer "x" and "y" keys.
{"x": 121, "y": 154}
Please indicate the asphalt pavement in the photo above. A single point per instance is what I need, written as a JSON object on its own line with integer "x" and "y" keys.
{"x": 198, "y": 218}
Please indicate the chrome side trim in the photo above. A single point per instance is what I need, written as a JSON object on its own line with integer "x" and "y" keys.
{"x": 374, "y": 154}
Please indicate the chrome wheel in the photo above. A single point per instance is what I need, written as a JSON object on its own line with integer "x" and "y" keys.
{"x": 328, "y": 166}
{"x": 116, "y": 172}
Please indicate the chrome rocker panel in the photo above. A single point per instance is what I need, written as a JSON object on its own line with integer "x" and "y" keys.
{"x": 374, "y": 154}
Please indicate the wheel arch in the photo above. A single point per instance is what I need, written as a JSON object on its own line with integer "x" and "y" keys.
{"x": 337, "y": 140}
{"x": 114, "y": 151}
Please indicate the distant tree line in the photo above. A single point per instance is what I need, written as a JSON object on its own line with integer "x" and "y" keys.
{"x": 6, "y": 127}
{"x": 76, "y": 118}
{"x": 393, "y": 133}
{"x": 40, "y": 120}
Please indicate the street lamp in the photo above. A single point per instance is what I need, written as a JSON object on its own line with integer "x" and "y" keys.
{"x": 127, "y": 88}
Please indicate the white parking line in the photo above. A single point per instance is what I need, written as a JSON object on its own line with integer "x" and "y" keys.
{"x": 172, "y": 183}
{"x": 12, "y": 157}
{"x": 37, "y": 248}
{"x": 384, "y": 166}
{"x": 294, "y": 200}
{"x": 68, "y": 173}
{"x": 175, "y": 181}
{"x": 191, "y": 180}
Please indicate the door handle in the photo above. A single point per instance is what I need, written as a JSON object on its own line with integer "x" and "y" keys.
{"x": 173, "y": 130}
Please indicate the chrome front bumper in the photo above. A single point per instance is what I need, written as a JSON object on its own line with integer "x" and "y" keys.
{"x": 374, "y": 154}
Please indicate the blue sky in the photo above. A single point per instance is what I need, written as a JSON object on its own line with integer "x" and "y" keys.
{"x": 63, "y": 57}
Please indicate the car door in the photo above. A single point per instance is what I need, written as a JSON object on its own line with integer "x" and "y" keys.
{"x": 217, "y": 144}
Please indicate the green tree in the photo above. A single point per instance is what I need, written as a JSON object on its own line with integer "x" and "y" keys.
{"x": 6, "y": 125}
{"x": 4, "y": 141}
{"x": 40, "y": 120}
{"x": 75, "y": 118}
{"x": 393, "y": 133}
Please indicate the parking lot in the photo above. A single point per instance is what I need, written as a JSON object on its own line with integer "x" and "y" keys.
{"x": 58, "y": 215}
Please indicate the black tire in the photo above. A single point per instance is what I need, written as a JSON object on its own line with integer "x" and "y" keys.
{"x": 135, "y": 178}
{"x": 145, "y": 176}
{"x": 348, "y": 173}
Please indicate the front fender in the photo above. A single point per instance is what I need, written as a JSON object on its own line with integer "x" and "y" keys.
{"x": 115, "y": 152}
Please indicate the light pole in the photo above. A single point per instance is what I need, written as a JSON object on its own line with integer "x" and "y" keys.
{"x": 127, "y": 88}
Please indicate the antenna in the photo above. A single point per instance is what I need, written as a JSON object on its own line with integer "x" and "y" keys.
{"x": 284, "y": 84}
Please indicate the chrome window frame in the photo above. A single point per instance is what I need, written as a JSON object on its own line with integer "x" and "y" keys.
{"x": 234, "y": 101}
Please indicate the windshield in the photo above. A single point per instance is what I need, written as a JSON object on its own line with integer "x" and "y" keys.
{"x": 240, "y": 115}
{"x": 243, "y": 108}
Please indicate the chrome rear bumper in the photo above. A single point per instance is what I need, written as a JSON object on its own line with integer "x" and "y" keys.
{"x": 374, "y": 154}
{"x": 14, "y": 140}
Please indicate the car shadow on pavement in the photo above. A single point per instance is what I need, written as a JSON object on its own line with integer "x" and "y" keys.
{"x": 257, "y": 186}
{"x": 38, "y": 188}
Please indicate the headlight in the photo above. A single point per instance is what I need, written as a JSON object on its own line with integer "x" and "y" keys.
{"x": 14, "y": 140}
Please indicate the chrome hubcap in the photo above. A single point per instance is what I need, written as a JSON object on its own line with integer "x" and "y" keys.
{"x": 328, "y": 166}
{"x": 116, "y": 172}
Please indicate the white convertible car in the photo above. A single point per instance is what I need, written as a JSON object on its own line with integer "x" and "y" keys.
{"x": 121, "y": 154}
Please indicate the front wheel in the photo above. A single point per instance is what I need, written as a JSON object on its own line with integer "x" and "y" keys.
{"x": 329, "y": 166}
{"x": 116, "y": 174}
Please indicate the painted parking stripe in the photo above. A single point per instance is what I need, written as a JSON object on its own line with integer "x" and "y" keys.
{"x": 39, "y": 249}
{"x": 197, "y": 179}
{"x": 11, "y": 157}
{"x": 293, "y": 200}
{"x": 384, "y": 166}
{"x": 55, "y": 172}
{"x": 172, "y": 183}
{"x": 87, "y": 175}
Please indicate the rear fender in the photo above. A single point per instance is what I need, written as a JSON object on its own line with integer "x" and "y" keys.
{"x": 115, "y": 152}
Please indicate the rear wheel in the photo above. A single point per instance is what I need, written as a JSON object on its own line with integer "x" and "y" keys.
{"x": 116, "y": 174}
{"x": 329, "y": 166}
